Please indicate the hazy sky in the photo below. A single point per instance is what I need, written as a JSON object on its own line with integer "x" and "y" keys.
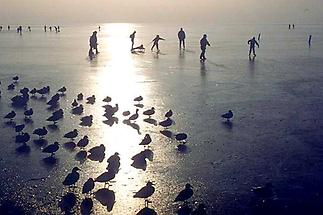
{"x": 181, "y": 11}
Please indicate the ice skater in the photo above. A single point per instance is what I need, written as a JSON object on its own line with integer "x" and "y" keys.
{"x": 252, "y": 42}
{"x": 45, "y": 28}
{"x": 156, "y": 40}
{"x": 132, "y": 38}
{"x": 203, "y": 43}
{"x": 181, "y": 37}
{"x": 310, "y": 40}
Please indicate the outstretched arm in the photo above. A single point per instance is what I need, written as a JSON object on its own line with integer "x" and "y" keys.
{"x": 161, "y": 38}
{"x": 207, "y": 42}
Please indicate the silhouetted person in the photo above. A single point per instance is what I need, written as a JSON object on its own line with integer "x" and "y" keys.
{"x": 19, "y": 30}
{"x": 8, "y": 27}
{"x": 139, "y": 48}
{"x": 29, "y": 28}
{"x": 45, "y": 28}
{"x": 289, "y": 26}
{"x": 252, "y": 44}
{"x": 203, "y": 43}
{"x": 156, "y": 40}
{"x": 310, "y": 40}
{"x": 293, "y": 26}
{"x": 1, "y": 28}
{"x": 259, "y": 35}
{"x": 181, "y": 36}
{"x": 94, "y": 42}
{"x": 58, "y": 28}
{"x": 50, "y": 28}
{"x": 99, "y": 27}
{"x": 132, "y": 37}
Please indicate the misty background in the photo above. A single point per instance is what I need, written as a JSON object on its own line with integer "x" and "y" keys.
{"x": 179, "y": 11}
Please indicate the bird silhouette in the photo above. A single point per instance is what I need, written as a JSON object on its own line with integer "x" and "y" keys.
{"x": 19, "y": 128}
{"x": 166, "y": 123}
{"x": 83, "y": 142}
{"x": 134, "y": 116}
{"x": 52, "y": 148}
{"x": 72, "y": 134}
{"x": 146, "y": 141}
{"x": 41, "y": 132}
{"x": 105, "y": 177}
{"x": 184, "y": 194}
{"x": 149, "y": 112}
{"x": 107, "y": 99}
{"x": 145, "y": 191}
{"x": 88, "y": 186}
{"x": 62, "y": 90}
{"x": 11, "y": 87}
{"x": 91, "y": 100}
{"x": 10, "y": 115}
{"x": 227, "y": 115}
{"x": 28, "y": 113}
{"x": 74, "y": 103}
{"x": 169, "y": 114}
{"x": 138, "y": 99}
{"x": 80, "y": 97}
{"x": 15, "y": 78}
{"x": 72, "y": 177}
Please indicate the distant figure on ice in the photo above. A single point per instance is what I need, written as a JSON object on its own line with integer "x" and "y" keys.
{"x": 310, "y": 40}
{"x": 50, "y": 28}
{"x": 99, "y": 27}
{"x": 293, "y": 26}
{"x": 1, "y": 28}
{"x": 140, "y": 48}
{"x": 58, "y": 28}
{"x": 45, "y": 28}
{"x": 289, "y": 26}
{"x": 19, "y": 30}
{"x": 156, "y": 40}
{"x": 29, "y": 28}
{"x": 8, "y": 27}
{"x": 93, "y": 44}
{"x": 181, "y": 36}
{"x": 259, "y": 35}
{"x": 132, "y": 38}
{"x": 203, "y": 43}
{"x": 252, "y": 42}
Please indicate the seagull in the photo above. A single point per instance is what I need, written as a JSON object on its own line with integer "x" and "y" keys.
{"x": 52, "y": 148}
{"x": 83, "y": 142}
{"x": 74, "y": 103}
{"x": 126, "y": 113}
{"x": 146, "y": 140}
{"x": 24, "y": 91}
{"x": 134, "y": 116}
{"x": 106, "y": 177}
{"x": 166, "y": 123}
{"x": 227, "y": 115}
{"x": 185, "y": 194}
{"x": 28, "y": 113}
{"x": 107, "y": 99}
{"x": 87, "y": 120}
{"x": 78, "y": 110}
{"x": 62, "y": 90}
{"x": 10, "y": 115}
{"x": 72, "y": 177}
{"x": 91, "y": 100}
{"x": 71, "y": 134}
{"x": 169, "y": 114}
{"x": 33, "y": 91}
{"x": 11, "y": 87}
{"x": 149, "y": 112}
{"x": 57, "y": 115}
{"x": 138, "y": 99}
{"x": 22, "y": 138}
{"x": 43, "y": 91}
{"x": 88, "y": 186}
{"x": 145, "y": 191}
{"x": 19, "y": 128}
{"x": 41, "y": 132}
{"x": 114, "y": 163}
{"x": 181, "y": 137}
{"x": 79, "y": 97}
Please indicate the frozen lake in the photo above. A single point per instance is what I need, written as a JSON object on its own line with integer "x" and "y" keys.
{"x": 275, "y": 136}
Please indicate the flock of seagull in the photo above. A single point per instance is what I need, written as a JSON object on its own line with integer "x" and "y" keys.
{"x": 104, "y": 195}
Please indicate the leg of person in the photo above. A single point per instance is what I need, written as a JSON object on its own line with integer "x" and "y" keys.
{"x": 250, "y": 50}
{"x": 254, "y": 51}
{"x": 201, "y": 55}
{"x": 180, "y": 44}
{"x": 204, "y": 58}
{"x": 152, "y": 47}
{"x": 184, "y": 44}
{"x": 157, "y": 47}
